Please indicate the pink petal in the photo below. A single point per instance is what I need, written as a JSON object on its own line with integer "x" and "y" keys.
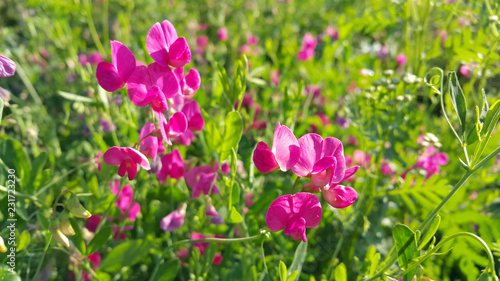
{"x": 149, "y": 144}
{"x": 114, "y": 186}
{"x": 157, "y": 45}
{"x": 305, "y": 205}
{"x": 296, "y": 228}
{"x": 193, "y": 115}
{"x": 333, "y": 147}
{"x": 323, "y": 178}
{"x": 203, "y": 185}
{"x": 171, "y": 165}
{"x": 137, "y": 157}
{"x": 323, "y": 164}
{"x": 194, "y": 173}
{"x": 108, "y": 77}
{"x": 125, "y": 198}
{"x": 179, "y": 54}
{"x": 7, "y": 67}
{"x": 132, "y": 171}
{"x": 310, "y": 152}
{"x": 285, "y": 147}
{"x": 340, "y": 196}
{"x": 350, "y": 172}
{"x": 122, "y": 170}
{"x": 193, "y": 79}
{"x": 278, "y": 213}
{"x": 164, "y": 78}
{"x": 169, "y": 32}
{"x": 123, "y": 60}
{"x": 264, "y": 159}
{"x": 134, "y": 211}
{"x": 177, "y": 124}
{"x": 114, "y": 156}
{"x": 137, "y": 85}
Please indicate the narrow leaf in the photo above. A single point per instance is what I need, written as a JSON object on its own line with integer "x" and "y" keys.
{"x": 298, "y": 258}
{"x": 232, "y": 134}
{"x": 74, "y": 97}
{"x": 283, "y": 271}
{"x": 99, "y": 239}
{"x": 406, "y": 247}
{"x": 340, "y": 272}
{"x": 458, "y": 101}
{"x": 430, "y": 231}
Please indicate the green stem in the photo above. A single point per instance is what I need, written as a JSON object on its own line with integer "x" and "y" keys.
{"x": 43, "y": 257}
{"x": 426, "y": 222}
{"x": 295, "y": 184}
{"x": 92, "y": 29}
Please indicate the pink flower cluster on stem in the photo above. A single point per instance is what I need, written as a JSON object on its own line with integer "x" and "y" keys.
{"x": 311, "y": 156}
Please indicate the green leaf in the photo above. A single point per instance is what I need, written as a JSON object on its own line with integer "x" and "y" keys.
{"x": 75, "y": 97}
{"x": 36, "y": 169}
{"x": 93, "y": 186}
{"x": 235, "y": 195}
{"x": 99, "y": 239}
{"x": 406, "y": 246}
{"x": 227, "y": 92}
{"x": 1, "y": 109}
{"x": 212, "y": 136}
{"x": 458, "y": 101}
{"x": 234, "y": 216}
{"x": 485, "y": 108}
{"x": 44, "y": 222}
{"x": 374, "y": 263}
{"x": 24, "y": 241}
{"x": 298, "y": 258}
{"x": 340, "y": 272}
{"x": 14, "y": 155}
{"x": 293, "y": 276}
{"x": 430, "y": 231}
{"x": 232, "y": 134}
{"x": 103, "y": 96}
{"x": 168, "y": 271}
{"x": 126, "y": 254}
{"x": 283, "y": 271}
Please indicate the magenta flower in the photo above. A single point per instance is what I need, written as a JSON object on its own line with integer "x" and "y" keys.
{"x": 176, "y": 126}
{"x": 340, "y": 196}
{"x": 212, "y": 212}
{"x": 252, "y": 40}
{"x": 165, "y": 47}
{"x": 151, "y": 146}
{"x": 401, "y": 59}
{"x": 308, "y": 45}
{"x": 113, "y": 76}
{"x": 127, "y": 158}
{"x": 202, "y": 41}
{"x": 332, "y": 32}
{"x": 125, "y": 200}
{"x": 172, "y": 166}
{"x": 322, "y": 160}
{"x": 284, "y": 154}
{"x": 189, "y": 84}
{"x": 222, "y": 34}
{"x": 466, "y": 70}
{"x": 431, "y": 161}
{"x": 202, "y": 180}
{"x": 193, "y": 115}
{"x": 175, "y": 219}
{"x": 294, "y": 213}
{"x": 95, "y": 261}
{"x": 7, "y": 67}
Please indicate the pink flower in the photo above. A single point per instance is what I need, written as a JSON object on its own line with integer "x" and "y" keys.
{"x": 308, "y": 45}
{"x": 343, "y": 122}
{"x": 212, "y": 212}
{"x": 172, "y": 166}
{"x": 294, "y": 213}
{"x": 383, "y": 53}
{"x": 248, "y": 199}
{"x": 284, "y": 154}
{"x": 127, "y": 158}
{"x": 466, "y": 70}
{"x": 175, "y": 219}
{"x": 165, "y": 47}
{"x": 275, "y": 77}
{"x": 202, "y": 41}
{"x": 252, "y": 40}
{"x": 125, "y": 200}
{"x": 431, "y": 161}
{"x": 340, "y": 196}
{"x": 401, "y": 59}
{"x": 189, "y": 84}
{"x": 386, "y": 169}
{"x": 352, "y": 140}
{"x": 222, "y": 34}
{"x": 202, "y": 180}
{"x": 7, "y": 67}
{"x": 332, "y": 32}
{"x": 94, "y": 58}
{"x": 322, "y": 160}
{"x": 225, "y": 168}
{"x": 113, "y": 76}
{"x": 217, "y": 259}
{"x": 95, "y": 260}
{"x": 193, "y": 115}
{"x": 245, "y": 49}
{"x": 362, "y": 159}
{"x": 305, "y": 54}
{"x": 107, "y": 126}
{"x": 150, "y": 146}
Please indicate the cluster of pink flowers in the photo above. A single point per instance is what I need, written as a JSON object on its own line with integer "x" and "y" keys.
{"x": 311, "y": 156}
{"x": 308, "y": 45}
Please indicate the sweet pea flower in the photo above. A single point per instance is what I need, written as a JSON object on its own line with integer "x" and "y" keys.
{"x": 401, "y": 59}
{"x": 175, "y": 219}
{"x": 189, "y": 83}
{"x": 466, "y": 70}
{"x": 222, "y": 34}
{"x": 95, "y": 261}
{"x": 202, "y": 41}
{"x": 332, "y": 32}
{"x": 322, "y": 160}
{"x": 294, "y": 213}
{"x": 284, "y": 154}
{"x": 113, "y": 76}
{"x": 93, "y": 222}
{"x": 151, "y": 146}
{"x": 212, "y": 212}
{"x": 127, "y": 158}
{"x": 124, "y": 201}
{"x": 339, "y": 196}
{"x": 7, "y": 67}
{"x": 202, "y": 180}
{"x": 431, "y": 161}
{"x": 165, "y": 47}
{"x": 171, "y": 166}
{"x": 252, "y": 40}
{"x": 193, "y": 115}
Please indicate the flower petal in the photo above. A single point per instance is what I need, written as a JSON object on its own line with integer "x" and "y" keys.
{"x": 164, "y": 77}
{"x": 137, "y": 157}
{"x": 285, "y": 147}
{"x": 177, "y": 124}
{"x": 340, "y": 196}
{"x": 193, "y": 79}
{"x": 157, "y": 45}
{"x": 123, "y": 60}
{"x": 310, "y": 152}
{"x": 108, "y": 77}
{"x": 7, "y": 67}
{"x": 179, "y": 53}
{"x": 137, "y": 85}
{"x": 114, "y": 156}
{"x": 264, "y": 159}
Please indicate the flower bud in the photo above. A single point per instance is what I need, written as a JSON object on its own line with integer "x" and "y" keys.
{"x": 3, "y": 249}
{"x": 65, "y": 224}
{"x": 57, "y": 234}
{"x": 76, "y": 208}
